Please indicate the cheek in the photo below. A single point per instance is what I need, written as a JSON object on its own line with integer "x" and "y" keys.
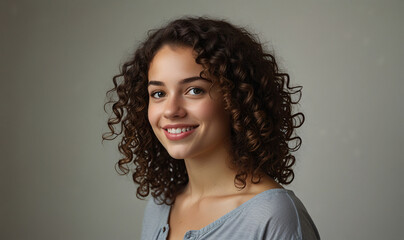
{"x": 152, "y": 115}
{"x": 211, "y": 111}
{"x": 206, "y": 112}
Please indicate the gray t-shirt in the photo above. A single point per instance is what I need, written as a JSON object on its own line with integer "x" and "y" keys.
{"x": 272, "y": 214}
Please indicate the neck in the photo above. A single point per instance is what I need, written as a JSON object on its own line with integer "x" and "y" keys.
{"x": 210, "y": 175}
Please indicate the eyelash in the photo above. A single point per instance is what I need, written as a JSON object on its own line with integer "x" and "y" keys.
{"x": 201, "y": 91}
{"x": 154, "y": 93}
{"x": 195, "y": 88}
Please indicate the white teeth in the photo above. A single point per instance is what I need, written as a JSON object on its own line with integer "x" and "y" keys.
{"x": 179, "y": 130}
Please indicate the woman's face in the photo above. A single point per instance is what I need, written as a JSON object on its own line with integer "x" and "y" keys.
{"x": 186, "y": 114}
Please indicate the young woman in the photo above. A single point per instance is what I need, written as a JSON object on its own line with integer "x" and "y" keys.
{"x": 207, "y": 127}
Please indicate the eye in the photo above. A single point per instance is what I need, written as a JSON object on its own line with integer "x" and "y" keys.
{"x": 195, "y": 91}
{"x": 157, "y": 94}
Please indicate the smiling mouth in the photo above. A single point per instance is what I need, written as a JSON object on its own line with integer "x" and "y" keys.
{"x": 179, "y": 130}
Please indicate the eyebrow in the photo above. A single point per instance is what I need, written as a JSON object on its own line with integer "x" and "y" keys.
{"x": 183, "y": 81}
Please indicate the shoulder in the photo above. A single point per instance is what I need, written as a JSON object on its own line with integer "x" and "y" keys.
{"x": 279, "y": 214}
{"x": 153, "y": 208}
{"x": 274, "y": 206}
{"x": 155, "y": 216}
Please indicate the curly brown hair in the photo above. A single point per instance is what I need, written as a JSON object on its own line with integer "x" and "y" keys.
{"x": 256, "y": 95}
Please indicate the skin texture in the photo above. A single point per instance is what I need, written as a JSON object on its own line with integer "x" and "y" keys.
{"x": 211, "y": 192}
{"x": 174, "y": 102}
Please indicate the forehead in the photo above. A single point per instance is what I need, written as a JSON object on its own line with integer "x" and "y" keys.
{"x": 174, "y": 62}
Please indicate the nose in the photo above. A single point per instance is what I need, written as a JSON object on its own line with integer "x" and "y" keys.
{"x": 174, "y": 108}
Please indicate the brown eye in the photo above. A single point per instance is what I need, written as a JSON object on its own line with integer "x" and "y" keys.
{"x": 196, "y": 91}
{"x": 158, "y": 94}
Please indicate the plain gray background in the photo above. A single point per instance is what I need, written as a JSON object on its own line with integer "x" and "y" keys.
{"x": 57, "y": 60}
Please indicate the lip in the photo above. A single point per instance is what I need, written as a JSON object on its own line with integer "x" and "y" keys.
{"x": 178, "y": 136}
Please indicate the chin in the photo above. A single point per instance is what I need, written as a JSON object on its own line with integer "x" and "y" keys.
{"x": 181, "y": 152}
{"x": 177, "y": 155}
